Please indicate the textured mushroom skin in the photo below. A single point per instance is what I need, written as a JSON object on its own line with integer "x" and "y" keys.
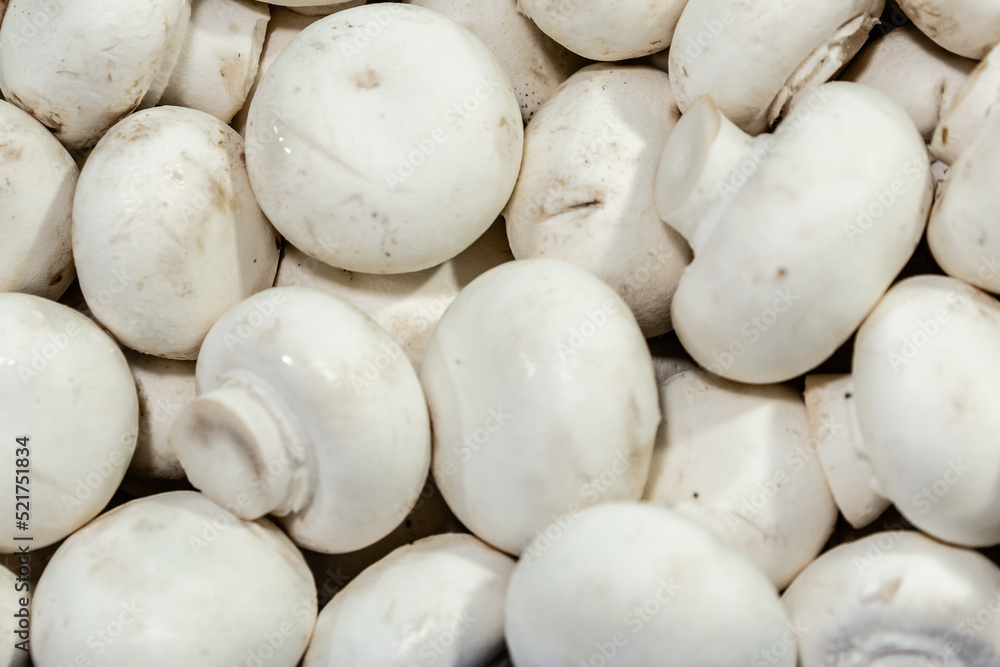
{"x": 969, "y": 28}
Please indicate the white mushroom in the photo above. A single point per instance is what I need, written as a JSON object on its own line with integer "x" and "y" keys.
{"x": 796, "y": 235}
{"x": 535, "y": 63}
{"x": 964, "y": 232}
{"x": 172, "y": 580}
{"x": 438, "y": 602}
{"x": 969, "y": 28}
{"x": 69, "y": 417}
{"x": 79, "y": 67}
{"x": 925, "y": 368}
{"x": 607, "y": 30}
{"x": 407, "y": 127}
{"x": 407, "y": 305}
{"x": 739, "y": 459}
{"x": 965, "y": 117}
{"x": 914, "y": 72}
{"x": 167, "y": 235}
{"x": 219, "y": 58}
{"x": 637, "y": 584}
{"x": 756, "y": 59}
{"x": 585, "y": 191}
{"x": 307, "y": 410}
{"x": 542, "y": 397}
{"x": 39, "y": 177}
{"x": 164, "y": 387}
{"x": 896, "y": 598}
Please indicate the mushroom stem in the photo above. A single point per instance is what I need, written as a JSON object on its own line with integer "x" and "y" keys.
{"x": 238, "y": 449}
{"x": 834, "y": 431}
{"x": 703, "y": 163}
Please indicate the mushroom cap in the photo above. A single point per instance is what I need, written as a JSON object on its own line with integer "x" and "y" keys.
{"x": 642, "y": 585}
{"x": 914, "y": 72}
{"x": 218, "y": 60}
{"x": 412, "y": 148}
{"x": 925, "y": 370}
{"x": 607, "y": 31}
{"x": 809, "y": 241}
{"x": 164, "y": 387}
{"x": 542, "y": 397}
{"x": 175, "y": 580}
{"x": 739, "y": 459}
{"x": 440, "y": 598}
{"x": 167, "y": 235}
{"x": 356, "y": 401}
{"x": 116, "y": 50}
{"x": 39, "y": 176}
{"x": 963, "y": 233}
{"x": 896, "y": 598}
{"x": 964, "y": 119}
{"x": 55, "y": 361}
{"x": 535, "y": 63}
{"x": 969, "y": 28}
{"x": 754, "y": 59}
{"x": 407, "y": 305}
{"x": 585, "y": 191}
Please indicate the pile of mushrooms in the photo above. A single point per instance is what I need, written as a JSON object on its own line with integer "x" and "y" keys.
{"x": 516, "y": 333}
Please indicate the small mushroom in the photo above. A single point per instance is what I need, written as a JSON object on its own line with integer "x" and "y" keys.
{"x": 167, "y": 235}
{"x": 638, "y": 584}
{"x": 412, "y": 149}
{"x": 896, "y": 598}
{"x": 914, "y": 72}
{"x": 407, "y": 305}
{"x": 438, "y": 601}
{"x": 68, "y": 418}
{"x": 307, "y": 410}
{"x": 585, "y": 191}
{"x": 923, "y": 372}
{"x": 964, "y": 234}
{"x": 739, "y": 458}
{"x": 535, "y": 63}
{"x": 39, "y": 176}
{"x": 796, "y": 235}
{"x": 171, "y": 580}
{"x": 164, "y": 387}
{"x": 964, "y": 120}
{"x": 79, "y": 67}
{"x": 219, "y": 58}
{"x": 756, "y": 59}
{"x": 607, "y": 31}
{"x": 969, "y": 28}
{"x": 525, "y": 334}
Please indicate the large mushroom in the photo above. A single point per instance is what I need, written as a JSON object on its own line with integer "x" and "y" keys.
{"x": 969, "y": 28}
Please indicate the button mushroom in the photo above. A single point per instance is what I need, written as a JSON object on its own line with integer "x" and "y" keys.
{"x": 755, "y": 59}
{"x": 739, "y": 459}
{"x": 964, "y": 119}
{"x": 585, "y": 191}
{"x": 524, "y": 334}
{"x": 896, "y": 598}
{"x": 637, "y": 584}
{"x": 969, "y": 28}
{"x": 438, "y": 601}
{"x": 309, "y": 411}
{"x": 172, "y": 580}
{"x": 39, "y": 177}
{"x": 166, "y": 233}
{"x": 57, "y": 363}
{"x": 795, "y": 237}
{"x": 411, "y": 150}
{"x": 79, "y": 67}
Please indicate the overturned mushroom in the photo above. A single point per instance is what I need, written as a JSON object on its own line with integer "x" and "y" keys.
{"x": 39, "y": 176}
{"x": 585, "y": 191}
{"x": 309, "y": 411}
{"x": 896, "y": 598}
{"x": 965, "y": 117}
{"x": 756, "y": 59}
{"x": 438, "y": 601}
